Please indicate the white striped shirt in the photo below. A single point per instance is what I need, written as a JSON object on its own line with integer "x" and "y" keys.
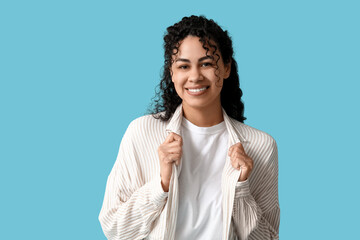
{"x": 136, "y": 207}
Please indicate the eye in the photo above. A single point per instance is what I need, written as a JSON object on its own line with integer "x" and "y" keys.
{"x": 183, "y": 67}
{"x": 207, "y": 64}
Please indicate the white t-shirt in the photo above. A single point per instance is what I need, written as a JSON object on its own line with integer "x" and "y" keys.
{"x": 200, "y": 200}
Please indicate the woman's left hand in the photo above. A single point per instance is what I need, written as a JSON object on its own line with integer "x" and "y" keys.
{"x": 239, "y": 159}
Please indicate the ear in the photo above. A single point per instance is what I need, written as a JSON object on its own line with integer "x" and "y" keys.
{"x": 227, "y": 70}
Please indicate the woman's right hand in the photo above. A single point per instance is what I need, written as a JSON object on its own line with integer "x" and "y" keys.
{"x": 170, "y": 151}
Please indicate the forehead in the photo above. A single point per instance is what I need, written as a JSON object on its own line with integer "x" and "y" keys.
{"x": 191, "y": 46}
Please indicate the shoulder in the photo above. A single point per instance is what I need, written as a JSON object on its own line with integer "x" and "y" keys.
{"x": 148, "y": 121}
{"x": 256, "y": 139}
{"x": 146, "y": 125}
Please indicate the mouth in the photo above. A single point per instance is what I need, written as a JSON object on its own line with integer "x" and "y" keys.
{"x": 197, "y": 91}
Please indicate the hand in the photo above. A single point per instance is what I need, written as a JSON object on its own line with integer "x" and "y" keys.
{"x": 239, "y": 159}
{"x": 169, "y": 152}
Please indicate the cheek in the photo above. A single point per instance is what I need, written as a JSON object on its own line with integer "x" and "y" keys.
{"x": 179, "y": 90}
{"x": 178, "y": 87}
{"x": 178, "y": 79}
{"x": 177, "y": 83}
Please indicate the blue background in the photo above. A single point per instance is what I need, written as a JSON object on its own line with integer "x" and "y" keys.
{"x": 74, "y": 74}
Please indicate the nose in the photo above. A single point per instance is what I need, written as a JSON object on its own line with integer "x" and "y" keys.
{"x": 195, "y": 75}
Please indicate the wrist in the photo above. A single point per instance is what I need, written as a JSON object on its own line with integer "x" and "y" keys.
{"x": 165, "y": 185}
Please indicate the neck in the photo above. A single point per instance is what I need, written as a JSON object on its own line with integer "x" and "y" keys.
{"x": 204, "y": 117}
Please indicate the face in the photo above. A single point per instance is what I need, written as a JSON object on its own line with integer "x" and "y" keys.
{"x": 194, "y": 74}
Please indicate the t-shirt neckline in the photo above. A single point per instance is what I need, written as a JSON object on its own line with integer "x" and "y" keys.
{"x": 203, "y": 130}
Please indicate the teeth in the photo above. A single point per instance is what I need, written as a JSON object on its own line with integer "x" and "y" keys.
{"x": 197, "y": 89}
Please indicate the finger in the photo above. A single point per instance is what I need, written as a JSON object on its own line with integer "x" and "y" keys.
{"x": 240, "y": 162}
{"x": 177, "y": 138}
{"x": 174, "y": 150}
{"x": 231, "y": 149}
{"x": 239, "y": 150}
{"x": 169, "y": 138}
{"x": 174, "y": 144}
{"x": 237, "y": 155}
{"x": 236, "y": 147}
{"x": 240, "y": 146}
{"x": 246, "y": 166}
{"x": 173, "y": 147}
{"x": 250, "y": 163}
{"x": 235, "y": 164}
{"x": 172, "y": 158}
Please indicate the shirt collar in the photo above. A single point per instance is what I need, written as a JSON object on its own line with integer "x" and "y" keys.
{"x": 174, "y": 125}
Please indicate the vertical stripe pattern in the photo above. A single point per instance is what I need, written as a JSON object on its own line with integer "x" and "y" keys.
{"x": 136, "y": 207}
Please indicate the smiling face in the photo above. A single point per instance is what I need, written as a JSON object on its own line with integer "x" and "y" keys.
{"x": 197, "y": 78}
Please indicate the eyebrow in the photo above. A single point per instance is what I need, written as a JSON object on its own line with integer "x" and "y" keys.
{"x": 200, "y": 59}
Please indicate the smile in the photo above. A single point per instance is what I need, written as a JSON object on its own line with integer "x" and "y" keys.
{"x": 196, "y": 91}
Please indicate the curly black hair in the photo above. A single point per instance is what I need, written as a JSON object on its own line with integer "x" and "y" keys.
{"x": 207, "y": 30}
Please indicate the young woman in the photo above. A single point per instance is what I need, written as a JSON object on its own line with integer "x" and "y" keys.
{"x": 193, "y": 169}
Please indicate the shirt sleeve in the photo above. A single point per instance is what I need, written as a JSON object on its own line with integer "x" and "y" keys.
{"x": 130, "y": 206}
{"x": 257, "y": 216}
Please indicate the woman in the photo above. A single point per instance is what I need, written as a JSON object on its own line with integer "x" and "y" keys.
{"x": 193, "y": 169}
